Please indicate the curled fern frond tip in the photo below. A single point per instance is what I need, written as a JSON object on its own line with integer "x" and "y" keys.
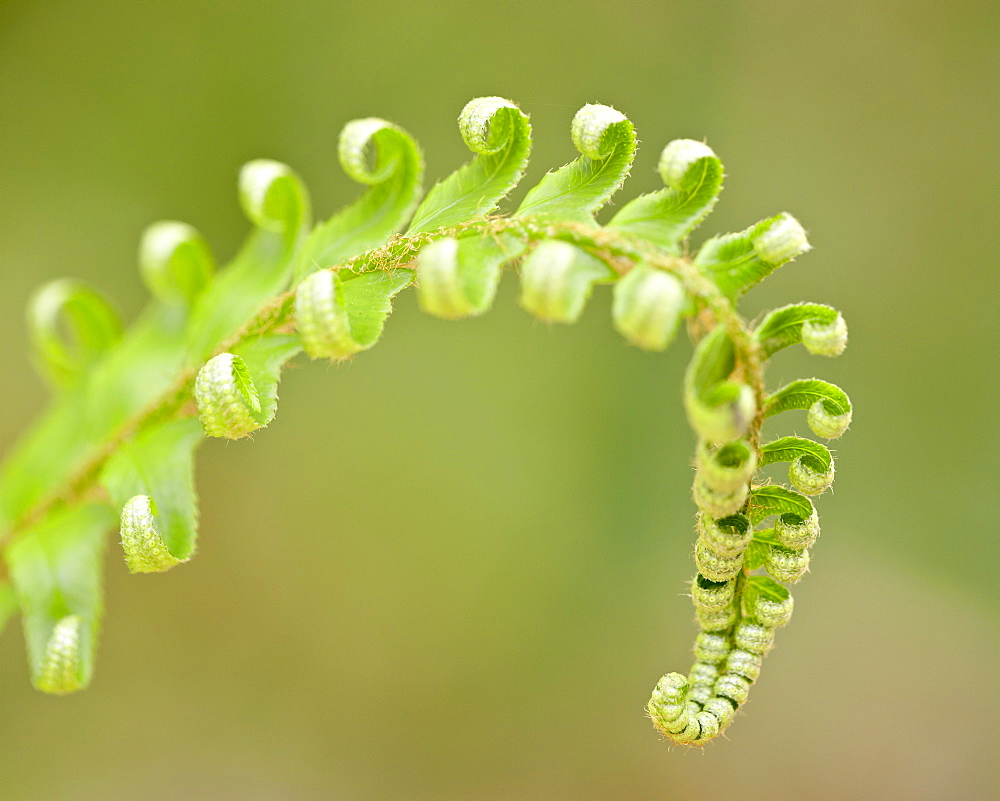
{"x": 60, "y": 670}
{"x": 677, "y": 159}
{"x": 648, "y": 306}
{"x": 557, "y": 279}
{"x": 782, "y": 240}
{"x": 476, "y": 124}
{"x": 175, "y": 261}
{"x": 825, "y": 339}
{"x": 272, "y": 195}
{"x": 321, "y": 318}
{"x": 72, "y": 327}
{"x": 591, "y": 126}
{"x": 144, "y": 549}
{"x": 228, "y": 403}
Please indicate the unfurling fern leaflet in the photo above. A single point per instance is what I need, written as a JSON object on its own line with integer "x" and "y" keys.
{"x": 132, "y": 405}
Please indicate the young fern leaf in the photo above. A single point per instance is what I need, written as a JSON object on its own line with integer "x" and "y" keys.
{"x": 557, "y": 279}
{"x": 152, "y": 480}
{"x": 459, "y": 277}
{"x": 648, "y": 306}
{"x": 384, "y": 157}
{"x": 277, "y": 203}
{"x": 498, "y": 132}
{"x": 573, "y": 193}
{"x": 693, "y": 176}
{"x": 237, "y": 393}
{"x": 175, "y": 262}
{"x": 125, "y": 380}
{"x": 718, "y": 408}
{"x": 722, "y": 481}
{"x": 820, "y": 328}
{"x": 829, "y": 407}
{"x": 811, "y": 468}
{"x": 55, "y": 570}
{"x": 773, "y": 499}
{"x": 768, "y": 601}
{"x": 90, "y": 324}
{"x": 337, "y": 319}
{"x": 122, "y": 423}
{"x": 736, "y": 262}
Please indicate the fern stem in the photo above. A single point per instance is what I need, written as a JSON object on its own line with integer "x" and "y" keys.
{"x": 619, "y": 251}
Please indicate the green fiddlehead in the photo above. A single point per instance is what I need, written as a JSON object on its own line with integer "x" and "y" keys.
{"x": 132, "y": 405}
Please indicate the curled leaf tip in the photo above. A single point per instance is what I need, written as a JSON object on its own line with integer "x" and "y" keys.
{"x": 825, "y": 339}
{"x": 61, "y": 666}
{"x": 728, "y": 466}
{"x": 728, "y": 414}
{"x": 272, "y": 195}
{"x": 678, "y": 157}
{"x": 796, "y": 532}
{"x": 228, "y": 404}
{"x": 728, "y": 536}
{"x": 320, "y": 317}
{"x": 72, "y": 326}
{"x": 557, "y": 279}
{"x": 145, "y": 551}
{"x": 440, "y": 285}
{"x": 753, "y": 637}
{"x": 590, "y": 127}
{"x": 808, "y": 480}
{"x": 476, "y": 124}
{"x": 782, "y": 240}
{"x": 827, "y": 423}
{"x": 359, "y": 152}
{"x": 337, "y": 319}
{"x": 648, "y": 306}
{"x": 770, "y": 604}
{"x": 787, "y": 564}
{"x": 174, "y": 260}
{"x": 459, "y": 278}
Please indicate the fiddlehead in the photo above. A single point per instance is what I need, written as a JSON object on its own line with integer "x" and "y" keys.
{"x": 606, "y": 141}
{"x": 647, "y": 307}
{"x": 72, "y": 326}
{"x": 382, "y": 156}
{"x": 205, "y": 359}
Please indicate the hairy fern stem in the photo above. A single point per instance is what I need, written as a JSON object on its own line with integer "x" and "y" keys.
{"x": 619, "y": 251}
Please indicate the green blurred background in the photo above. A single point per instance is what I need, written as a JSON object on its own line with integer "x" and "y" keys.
{"x": 454, "y": 568}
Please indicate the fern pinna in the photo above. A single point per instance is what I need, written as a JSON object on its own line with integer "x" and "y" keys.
{"x": 204, "y": 359}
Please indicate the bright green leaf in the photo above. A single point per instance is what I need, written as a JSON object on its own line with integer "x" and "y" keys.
{"x": 276, "y": 201}
{"x": 498, "y": 132}
{"x": 802, "y": 322}
{"x": 736, "y": 262}
{"x": 693, "y": 176}
{"x": 459, "y": 277}
{"x": 772, "y": 499}
{"x": 55, "y": 567}
{"x": 576, "y": 191}
{"x": 829, "y": 407}
{"x": 338, "y": 318}
{"x": 719, "y": 409}
{"x": 557, "y": 279}
{"x": 157, "y": 465}
{"x": 386, "y": 158}
{"x": 72, "y": 326}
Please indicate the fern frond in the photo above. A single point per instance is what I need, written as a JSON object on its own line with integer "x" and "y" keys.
{"x": 131, "y": 405}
